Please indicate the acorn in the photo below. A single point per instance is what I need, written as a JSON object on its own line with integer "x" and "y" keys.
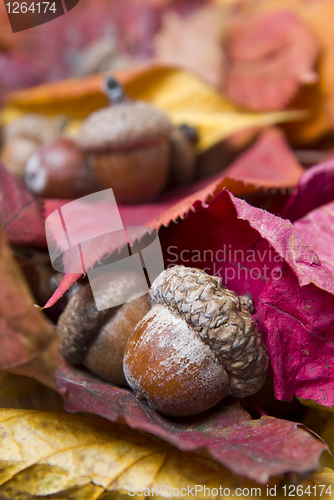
{"x": 129, "y": 146}
{"x": 197, "y": 345}
{"x": 183, "y": 154}
{"x": 59, "y": 169}
{"x": 97, "y": 339}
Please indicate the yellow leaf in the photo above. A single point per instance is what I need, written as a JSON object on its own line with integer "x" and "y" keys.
{"x": 321, "y": 420}
{"x": 186, "y": 99}
{"x": 324, "y": 476}
{"x": 313, "y": 404}
{"x": 79, "y": 457}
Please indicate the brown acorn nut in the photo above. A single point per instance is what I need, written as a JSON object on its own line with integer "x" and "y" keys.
{"x": 129, "y": 146}
{"x": 97, "y": 339}
{"x": 196, "y": 345}
{"x": 59, "y": 169}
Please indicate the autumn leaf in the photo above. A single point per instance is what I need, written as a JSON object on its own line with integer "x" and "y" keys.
{"x": 317, "y": 230}
{"x": 298, "y": 322}
{"x": 20, "y": 212}
{"x": 189, "y": 100}
{"x": 317, "y": 98}
{"x": 27, "y": 339}
{"x": 178, "y": 44}
{"x": 315, "y": 188}
{"x": 171, "y": 206}
{"x": 182, "y": 95}
{"x": 60, "y": 454}
{"x": 56, "y": 454}
{"x": 268, "y": 163}
{"x": 242, "y": 178}
{"x": 226, "y": 431}
{"x": 269, "y": 56}
{"x": 256, "y": 252}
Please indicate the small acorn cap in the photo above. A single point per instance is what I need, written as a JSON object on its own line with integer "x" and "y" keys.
{"x": 32, "y": 126}
{"x": 124, "y": 127}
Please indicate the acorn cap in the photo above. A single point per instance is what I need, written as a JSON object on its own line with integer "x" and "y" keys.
{"x": 33, "y": 126}
{"x": 125, "y": 126}
{"x": 81, "y": 322}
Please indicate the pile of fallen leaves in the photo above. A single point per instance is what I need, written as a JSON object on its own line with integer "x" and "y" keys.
{"x": 256, "y": 80}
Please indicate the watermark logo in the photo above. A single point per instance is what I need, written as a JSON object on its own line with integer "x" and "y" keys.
{"x": 24, "y": 15}
{"x": 87, "y": 236}
{"x": 230, "y": 263}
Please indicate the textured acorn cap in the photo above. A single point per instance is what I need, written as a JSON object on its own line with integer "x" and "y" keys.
{"x": 81, "y": 322}
{"x": 33, "y": 126}
{"x": 123, "y": 127}
{"x": 217, "y": 316}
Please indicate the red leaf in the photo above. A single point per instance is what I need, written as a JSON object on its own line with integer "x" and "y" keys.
{"x": 18, "y": 71}
{"x": 226, "y": 431}
{"x": 315, "y": 188}
{"x": 28, "y": 344}
{"x": 317, "y": 230}
{"x": 172, "y": 205}
{"x": 269, "y": 159}
{"x": 21, "y": 213}
{"x": 240, "y": 236}
{"x": 247, "y": 247}
{"x": 176, "y": 203}
{"x": 299, "y": 328}
{"x": 270, "y": 55}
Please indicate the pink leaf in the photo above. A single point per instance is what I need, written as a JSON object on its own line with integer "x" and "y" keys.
{"x": 21, "y": 213}
{"x": 317, "y": 230}
{"x": 270, "y": 56}
{"x": 270, "y": 158}
{"x": 299, "y": 332}
{"x": 315, "y": 188}
{"x": 250, "y": 249}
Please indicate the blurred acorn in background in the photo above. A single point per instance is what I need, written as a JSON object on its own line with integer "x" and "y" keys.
{"x": 59, "y": 169}
{"x": 129, "y": 146}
